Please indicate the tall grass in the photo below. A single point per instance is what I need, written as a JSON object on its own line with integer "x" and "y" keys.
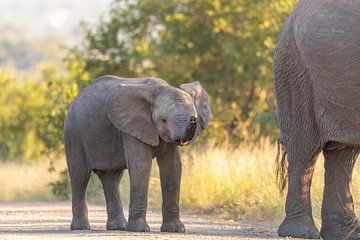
{"x": 24, "y": 181}
{"x": 238, "y": 183}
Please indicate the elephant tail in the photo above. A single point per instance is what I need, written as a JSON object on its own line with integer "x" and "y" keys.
{"x": 281, "y": 166}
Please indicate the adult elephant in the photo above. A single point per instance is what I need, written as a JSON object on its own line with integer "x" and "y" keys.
{"x": 317, "y": 79}
{"x": 117, "y": 123}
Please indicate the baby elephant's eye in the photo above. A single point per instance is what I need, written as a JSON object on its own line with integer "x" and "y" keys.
{"x": 163, "y": 120}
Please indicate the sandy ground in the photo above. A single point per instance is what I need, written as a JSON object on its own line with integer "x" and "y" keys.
{"x": 51, "y": 221}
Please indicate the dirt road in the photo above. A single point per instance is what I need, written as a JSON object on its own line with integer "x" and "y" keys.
{"x": 51, "y": 221}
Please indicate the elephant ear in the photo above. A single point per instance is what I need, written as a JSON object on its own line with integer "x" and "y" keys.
{"x": 129, "y": 109}
{"x": 201, "y": 101}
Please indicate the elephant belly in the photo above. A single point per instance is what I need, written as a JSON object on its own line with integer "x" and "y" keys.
{"x": 337, "y": 109}
{"x": 106, "y": 159}
{"x": 104, "y": 149}
{"x": 328, "y": 39}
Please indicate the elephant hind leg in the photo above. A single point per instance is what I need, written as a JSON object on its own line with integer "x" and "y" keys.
{"x": 110, "y": 182}
{"x": 79, "y": 176}
{"x": 79, "y": 173}
{"x": 338, "y": 217}
{"x": 299, "y": 220}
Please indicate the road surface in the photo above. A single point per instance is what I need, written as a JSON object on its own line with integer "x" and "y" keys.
{"x": 51, "y": 221}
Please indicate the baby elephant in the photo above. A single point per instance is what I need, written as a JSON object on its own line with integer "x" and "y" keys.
{"x": 118, "y": 123}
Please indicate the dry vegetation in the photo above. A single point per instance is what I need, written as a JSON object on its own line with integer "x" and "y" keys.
{"x": 238, "y": 183}
{"x": 24, "y": 181}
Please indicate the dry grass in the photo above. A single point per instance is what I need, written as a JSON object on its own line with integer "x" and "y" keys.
{"x": 23, "y": 181}
{"x": 240, "y": 183}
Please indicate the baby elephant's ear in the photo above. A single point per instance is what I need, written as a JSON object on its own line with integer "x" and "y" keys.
{"x": 201, "y": 101}
{"x": 129, "y": 109}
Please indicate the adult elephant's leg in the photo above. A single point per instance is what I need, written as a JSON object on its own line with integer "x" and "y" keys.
{"x": 170, "y": 177}
{"x": 299, "y": 221}
{"x": 139, "y": 159}
{"x": 338, "y": 217}
{"x": 110, "y": 182}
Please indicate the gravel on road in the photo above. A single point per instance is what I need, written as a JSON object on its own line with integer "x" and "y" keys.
{"x": 51, "y": 221}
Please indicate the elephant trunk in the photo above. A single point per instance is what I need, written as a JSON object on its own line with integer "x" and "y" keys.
{"x": 190, "y": 132}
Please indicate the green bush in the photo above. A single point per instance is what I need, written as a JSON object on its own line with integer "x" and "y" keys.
{"x": 61, "y": 188}
{"x": 226, "y": 44}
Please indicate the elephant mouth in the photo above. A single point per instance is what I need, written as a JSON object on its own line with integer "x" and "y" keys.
{"x": 182, "y": 142}
{"x": 190, "y": 133}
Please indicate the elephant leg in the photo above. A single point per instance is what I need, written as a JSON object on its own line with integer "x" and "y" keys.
{"x": 338, "y": 217}
{"x": 110, "y": 182}
{"x": 299, "y": 221}
{"x": 170, "y": 177}
{"x": 139, "y": 159}
{"x": 79, "y": 176}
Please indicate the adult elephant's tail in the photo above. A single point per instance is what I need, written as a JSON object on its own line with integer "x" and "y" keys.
{"x": 281, "y": 167}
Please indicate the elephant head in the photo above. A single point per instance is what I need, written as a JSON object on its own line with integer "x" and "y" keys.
{"x": 153, "y": 109}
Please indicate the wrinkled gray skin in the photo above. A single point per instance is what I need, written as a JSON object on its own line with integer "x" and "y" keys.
{"x": 115, "y": 124}
{"x": 317, "y": 78}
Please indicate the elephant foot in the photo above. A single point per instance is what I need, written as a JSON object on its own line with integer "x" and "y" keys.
{"x": 116, "y": 224}
{"x": 303, "y": 227}
{"x": 174, "y": 226}
{"x": 336, "y": 227}
{"x": 80, "y": 224}
{"x": 137, "y": 225}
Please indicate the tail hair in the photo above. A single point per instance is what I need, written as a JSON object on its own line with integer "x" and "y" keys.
{"x": 281, "y": 167}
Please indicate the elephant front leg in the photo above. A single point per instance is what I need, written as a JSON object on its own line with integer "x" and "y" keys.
{"x": 139, "y": 159}
{"x": 170, "y": 176}
{"x": 338, "y": 217}
{"x": 299, "y": 220}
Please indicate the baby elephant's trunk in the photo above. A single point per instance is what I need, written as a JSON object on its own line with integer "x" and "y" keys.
{"x": 190, "y": 132}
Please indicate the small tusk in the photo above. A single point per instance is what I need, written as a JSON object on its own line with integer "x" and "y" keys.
{"x": 183, "y": 143}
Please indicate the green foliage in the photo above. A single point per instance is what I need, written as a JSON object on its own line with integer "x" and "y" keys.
{"x": 61, "y": 188}
{"x": 19, "y": 119}
{"x": 32, "y": 112}
{"x": 226, "y": 44}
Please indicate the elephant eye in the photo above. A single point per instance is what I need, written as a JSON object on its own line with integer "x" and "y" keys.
{"x": 163, "y": 120}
